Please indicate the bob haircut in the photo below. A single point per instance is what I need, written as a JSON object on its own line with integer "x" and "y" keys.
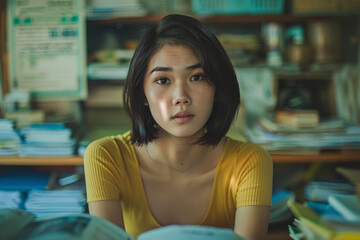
{"x": 177, "y": 29}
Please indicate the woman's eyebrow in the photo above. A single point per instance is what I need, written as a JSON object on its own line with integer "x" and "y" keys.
{"x": 168, "y": 69}
{"x": 195, "y": 66}
{"x": 161, "y": 69}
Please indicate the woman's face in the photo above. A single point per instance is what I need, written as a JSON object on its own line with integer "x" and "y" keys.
{"x": 178, "y": 93}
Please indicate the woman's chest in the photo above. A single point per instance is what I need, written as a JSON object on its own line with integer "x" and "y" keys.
{"x": 179, "y": 201}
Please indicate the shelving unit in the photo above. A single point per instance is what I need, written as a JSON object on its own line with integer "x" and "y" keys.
{"x": 42, "y": 161}
{"x": 229, "y": 18}
{"x": 335, "y": 156}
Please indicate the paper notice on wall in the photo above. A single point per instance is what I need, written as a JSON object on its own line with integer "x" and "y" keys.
{"x": 47, "y": 46}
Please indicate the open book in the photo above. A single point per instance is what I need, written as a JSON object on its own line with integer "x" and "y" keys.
{"x": 21, "y": 224}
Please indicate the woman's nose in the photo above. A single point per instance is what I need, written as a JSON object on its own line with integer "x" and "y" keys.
{"x": 181, "y": 96}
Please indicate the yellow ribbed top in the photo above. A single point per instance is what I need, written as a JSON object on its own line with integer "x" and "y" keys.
{"x": 243, "y": 178}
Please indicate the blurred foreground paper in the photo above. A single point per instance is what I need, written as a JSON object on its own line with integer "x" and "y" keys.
{"x": 46, "y": 41}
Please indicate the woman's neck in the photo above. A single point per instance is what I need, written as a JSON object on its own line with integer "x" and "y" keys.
{"x": 176, "y": 154}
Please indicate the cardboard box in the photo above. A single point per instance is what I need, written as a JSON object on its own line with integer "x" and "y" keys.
{"x": 324, "y": 6}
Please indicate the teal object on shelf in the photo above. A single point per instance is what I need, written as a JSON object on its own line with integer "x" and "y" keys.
{"x": 213, "y": 7}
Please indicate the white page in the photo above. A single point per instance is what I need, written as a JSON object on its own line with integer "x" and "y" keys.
{"x": 47, "y": 47}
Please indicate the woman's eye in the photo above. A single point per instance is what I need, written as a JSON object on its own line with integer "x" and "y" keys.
{"x": 162, "y": 81}
{"x": 197, "y": 77}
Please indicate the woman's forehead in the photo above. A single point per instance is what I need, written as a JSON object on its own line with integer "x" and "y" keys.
{"x": 169, "y": 55}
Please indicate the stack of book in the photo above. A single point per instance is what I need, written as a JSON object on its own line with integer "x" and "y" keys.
{"x": 285, "y": 139}
{"x": 110, "y": 64}
{"x": 332, "y": 212}
{"x": 10, "y": 199}
{"x": 47, "y": 139}
{"x": 321, "y": 190}
{"x": 105, "y": 9}
{"x": 50, "y": 202}
{"x": 332, "y": 224}
{"x": 16, "y": 181}
{"x": 9, "y": 138}
{"x": 297, "y": 118}
{"x": 107, "y": 71}
{"x": 280, "y": 211}
{"x": 33, "y": 190}
{"x": 241, "y": 48}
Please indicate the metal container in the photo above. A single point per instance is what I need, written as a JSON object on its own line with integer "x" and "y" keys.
{"x": 324, "y": 38}
{"x": 301, "y": 54}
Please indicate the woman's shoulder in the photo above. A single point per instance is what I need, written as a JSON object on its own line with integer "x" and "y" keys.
{"x": 238, "y": 145}
{"x": 111, "y": 144}
{"x": 103, "y": 141}
{"x": 246, "y": 150}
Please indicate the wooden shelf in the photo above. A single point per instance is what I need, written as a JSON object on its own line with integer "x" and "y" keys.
{"x": 267, "y": 18}
{"x": 42, "y": 161}
{"x": 228, "y": 18}
{"x": 144, "y": 19}
{"x": 107, "y": 82}
{"x": 340, "y": 156}
{"x": 336, "y": 156}
{"x": 305, "y": 75}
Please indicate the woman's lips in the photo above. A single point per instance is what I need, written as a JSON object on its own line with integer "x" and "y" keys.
{"x": 183, "y": 117}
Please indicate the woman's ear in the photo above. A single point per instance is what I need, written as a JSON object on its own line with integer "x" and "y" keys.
{"x": 146, "y": 102}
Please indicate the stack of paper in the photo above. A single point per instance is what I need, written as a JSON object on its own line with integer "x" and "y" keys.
{"x": 280, "y": 212}
{"x": 42, "y": 202}
{"x": 298, "y": 118}
{"x": 9, "y": 138}
{"x": 10, "y": 199}
{"x": 275, "y": 138}
{"x": 107, "y": 71}
{"x": 104, "y": 9}
{"x": 310, "y": 225}
{"x": 321, "y": 190}
{"x": 348, "y": 206}
{"x": 340, "y": 205}
{"x": 326, "y": 211}
{"x": 241, "y": 48}
{"x": 47, "y": 139}
{"x": 110, "y": 64}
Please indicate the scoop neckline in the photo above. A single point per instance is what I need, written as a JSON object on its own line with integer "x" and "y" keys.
{"x": 217, "y": 169}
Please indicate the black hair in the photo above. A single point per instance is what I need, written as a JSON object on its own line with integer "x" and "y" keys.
{"x": 182, "y": 30}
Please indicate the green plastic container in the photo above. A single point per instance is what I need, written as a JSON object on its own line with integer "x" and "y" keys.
{"x": 216, "y": 7}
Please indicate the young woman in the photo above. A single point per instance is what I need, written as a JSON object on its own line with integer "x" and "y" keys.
{"x": 177, "y": 166}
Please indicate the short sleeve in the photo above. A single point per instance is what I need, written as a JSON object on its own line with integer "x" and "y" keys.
{"x": 102, "y": 173}
{"x": 255, "y": 178}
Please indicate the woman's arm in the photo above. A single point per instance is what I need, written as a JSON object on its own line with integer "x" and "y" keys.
{"x": 108, "y": 209}
{"x": 251, "y": 222}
